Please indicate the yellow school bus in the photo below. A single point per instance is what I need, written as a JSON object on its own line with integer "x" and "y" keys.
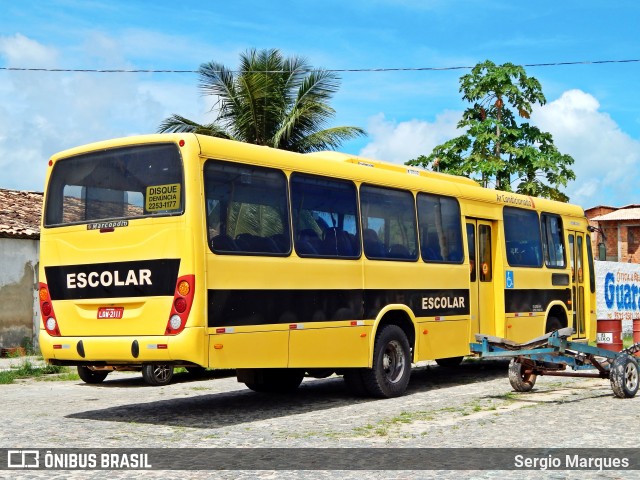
{"x": 182, "y": 250}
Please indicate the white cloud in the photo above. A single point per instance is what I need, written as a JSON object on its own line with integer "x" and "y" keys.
{"x": 399, "y": 142}
{"x": 44, "y": 112}
{"x": 19, "y": 50}
{"x": 605, "y": 156}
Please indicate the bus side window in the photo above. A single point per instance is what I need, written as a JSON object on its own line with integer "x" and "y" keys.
{"x": 522, "y": 237}
{"x": 324, "y": 217}
{"x": 390, "y": 213}
{"x": 246, "y": 209}
{"x": 552, "y": 244}
{"x": 440, "y": 228}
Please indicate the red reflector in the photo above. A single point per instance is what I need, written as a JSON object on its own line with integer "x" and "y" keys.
{"x": 221, "y": 330}
{"x": 293, "y": 326}
{"x": 57, "y": 347}
{"x": 162, "y": 346}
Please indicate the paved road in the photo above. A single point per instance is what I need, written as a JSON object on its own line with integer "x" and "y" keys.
{"x": 471, "y": 406}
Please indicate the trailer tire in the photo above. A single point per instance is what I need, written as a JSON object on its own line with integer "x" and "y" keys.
{"x": 521, "y": 382}
{"x": 624, "y": 376}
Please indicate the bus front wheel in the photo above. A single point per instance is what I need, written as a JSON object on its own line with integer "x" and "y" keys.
{"x": 391, "y": 369}
{"x": 157, "y": 375}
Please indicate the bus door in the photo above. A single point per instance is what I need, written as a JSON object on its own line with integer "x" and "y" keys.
{"x": 576, "y": 257}
{"x": 481, "y": 276}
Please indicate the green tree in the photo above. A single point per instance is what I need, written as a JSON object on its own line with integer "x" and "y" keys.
{"x": 497, "y": 148}
{"x": 271, "y": 100}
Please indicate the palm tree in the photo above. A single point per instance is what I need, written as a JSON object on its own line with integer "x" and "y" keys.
{"x": 271, "y": 100}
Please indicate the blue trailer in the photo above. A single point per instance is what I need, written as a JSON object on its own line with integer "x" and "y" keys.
{"x": 552, "y": 353}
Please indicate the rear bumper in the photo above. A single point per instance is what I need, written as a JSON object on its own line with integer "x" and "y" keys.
{"x": 188, "y": 347}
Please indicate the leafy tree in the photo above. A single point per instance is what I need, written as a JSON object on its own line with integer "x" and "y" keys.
{"x": 271, "y": 100}
{"x": 496, "y": 146}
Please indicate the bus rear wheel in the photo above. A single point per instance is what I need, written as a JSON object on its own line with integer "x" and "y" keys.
{"x": 88, "y": 375}
{"x": 391, "y": 369}
{"x": 157, "y": 375}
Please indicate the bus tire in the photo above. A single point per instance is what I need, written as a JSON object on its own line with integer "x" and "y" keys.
{"x": 624, "y": 376}
{"x": 354, "y": 382}
{"x": 91, "y": 376}
{"x": 450, "y": 362}
{"x": 521, "y": 382}
{"x": 391, "y": 369}
{"x": 157, "y": 375}
{"x": 277, "y": 380}
{"x": 553, "y": 323}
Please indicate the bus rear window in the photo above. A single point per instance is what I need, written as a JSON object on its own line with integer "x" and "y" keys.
{"x": 129, "y": 182}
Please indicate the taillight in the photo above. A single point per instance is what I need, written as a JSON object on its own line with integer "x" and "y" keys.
{"x": 46, "y": 310}
{"x": 181, "y": 306}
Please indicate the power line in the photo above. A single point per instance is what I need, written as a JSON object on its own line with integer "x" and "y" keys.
{"x": 336, "y": 70}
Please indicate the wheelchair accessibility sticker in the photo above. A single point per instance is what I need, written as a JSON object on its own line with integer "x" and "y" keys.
{"x": 509, "y": 279}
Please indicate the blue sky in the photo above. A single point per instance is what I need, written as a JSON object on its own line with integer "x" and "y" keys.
{"x": 592, "y": 110}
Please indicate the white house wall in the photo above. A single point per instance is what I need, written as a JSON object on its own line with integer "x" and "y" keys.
{"x": 19, "y": 317}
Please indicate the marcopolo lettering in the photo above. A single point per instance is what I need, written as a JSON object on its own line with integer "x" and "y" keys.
{"x": 112, "y": 280}
{"x": 108, "y": 278}
{"x": 112, "y": 224}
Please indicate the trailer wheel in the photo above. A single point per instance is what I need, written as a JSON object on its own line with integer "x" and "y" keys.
{"x": 520, "y": 381}
{"x": 91, "y": 376}
{"x": 624, "y": 376}
{"x": 157, "y": 375}
{"x": 391, "y": 370}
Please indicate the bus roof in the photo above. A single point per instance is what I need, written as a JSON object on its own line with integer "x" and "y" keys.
{"x": 402, "y": 174}
{"x": 394, "y": 167}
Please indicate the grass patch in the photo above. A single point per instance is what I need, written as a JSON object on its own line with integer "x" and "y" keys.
{"x": 27, "y": 370}
{"x": 627, "y": 341}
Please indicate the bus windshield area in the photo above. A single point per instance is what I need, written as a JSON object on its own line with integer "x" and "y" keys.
{"x": 118, "y": 183}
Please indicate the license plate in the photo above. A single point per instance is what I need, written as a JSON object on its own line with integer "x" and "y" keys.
{"x": 110, "y": 312}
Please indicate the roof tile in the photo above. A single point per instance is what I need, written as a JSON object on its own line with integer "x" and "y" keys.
{"x": 20, "y": 214}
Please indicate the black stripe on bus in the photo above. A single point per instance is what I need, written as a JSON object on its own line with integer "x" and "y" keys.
{"x": 261, "y": 307}
{"x": 145, "y": 278}
{"x": 534, "y": 300}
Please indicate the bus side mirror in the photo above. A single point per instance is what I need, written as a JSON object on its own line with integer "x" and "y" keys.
{"x": 602, "y": 251}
